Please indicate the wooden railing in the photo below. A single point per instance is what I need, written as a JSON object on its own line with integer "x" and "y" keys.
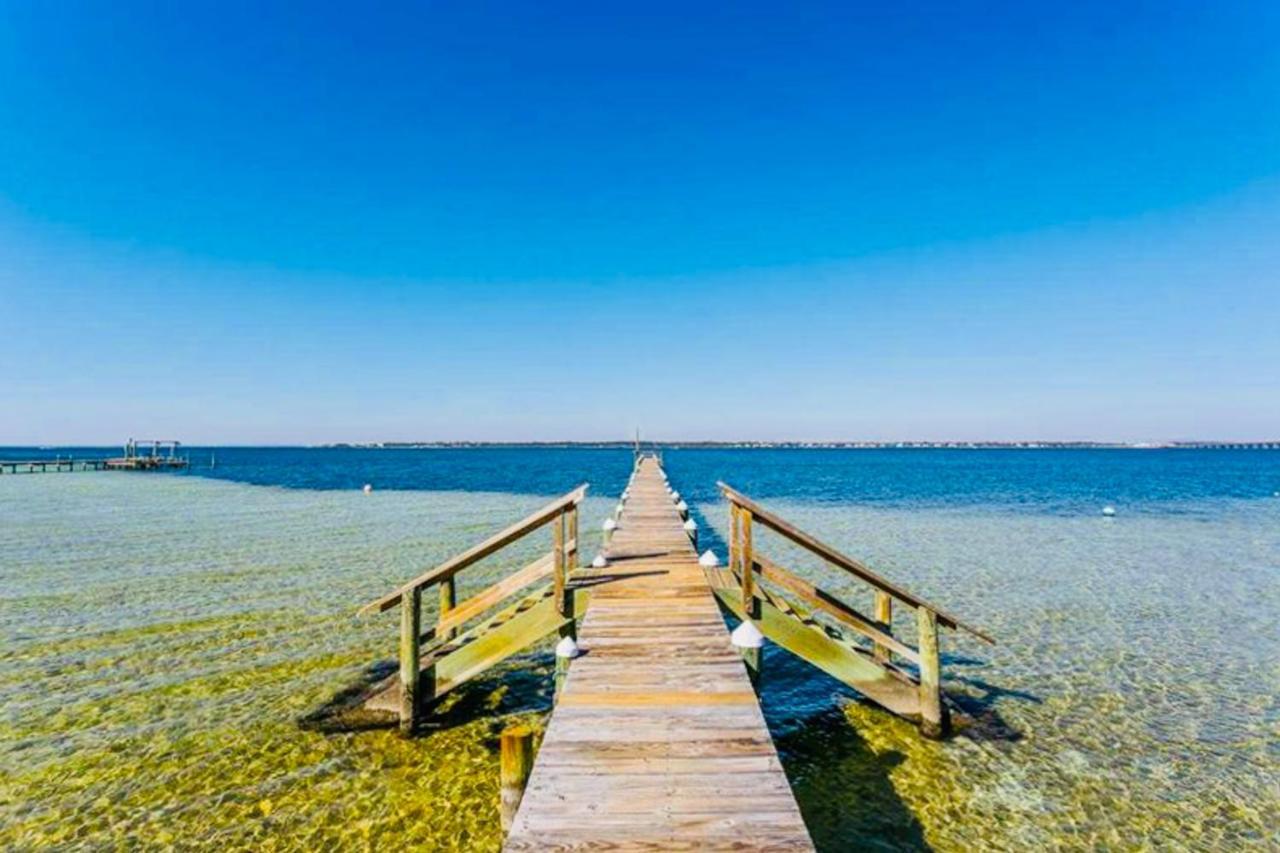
{"x": 561, "y": 514}
{"x": 746, "y": 564}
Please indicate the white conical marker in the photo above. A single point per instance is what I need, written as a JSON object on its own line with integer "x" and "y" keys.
{"x": 609, "y": 524}
{"x": 368, "y": 488}
{"x": 675, "y": 496}
{"x": 747, "y": 636}
{"x": 682, "y": 506}
{"x": 567, "y": 648}
{"x": 691, "y": 525}
{"x": 599, "y": 562}
{"x": 1108, "y": 510}
{"x": 709, "y": 559}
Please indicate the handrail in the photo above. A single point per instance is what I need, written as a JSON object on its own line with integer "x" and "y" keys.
{"x": 488, "y": 597}
{"x": 826, "y": 602}
{"x": 854, "y": 567}
{"x": 494, "y": 543}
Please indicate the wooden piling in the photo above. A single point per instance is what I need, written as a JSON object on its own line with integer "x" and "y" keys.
{"x": 562, "y": 672}
{"x": 753, "y": 657}
{"x": 932, "y": 719}
{"x": 558, "y": 559}
{"x": 746, "y": 558}
{"x": 448, "y": 601}
{"x": 884, "y": 615}
{"x": 516, "y": 763}
{"x": 410, "y": 636}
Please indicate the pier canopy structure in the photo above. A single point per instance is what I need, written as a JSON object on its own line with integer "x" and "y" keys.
{"x": 149, "y": 455}
{"x": 657, "y": 739}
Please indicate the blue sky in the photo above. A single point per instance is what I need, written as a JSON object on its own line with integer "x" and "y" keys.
{"x": 237, "y": 223}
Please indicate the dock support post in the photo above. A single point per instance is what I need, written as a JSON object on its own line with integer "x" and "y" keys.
{"x": 747, "y": 560}
{"x": 448, "y": 601}
{"x": 410, "y": 635}
{"x": 564, "y": 549}
{"x": 884, "y": 615}
{"x": 516, "y": 764}
{"x": 566, "y": 651}
{"x": 749, "y": 642}
{"x": 933, "y": 723}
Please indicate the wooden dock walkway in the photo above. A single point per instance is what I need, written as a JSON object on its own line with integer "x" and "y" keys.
{"x": 657, "y": 740}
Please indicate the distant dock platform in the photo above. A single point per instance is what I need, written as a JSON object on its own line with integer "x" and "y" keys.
{"x": 162, "y": 456}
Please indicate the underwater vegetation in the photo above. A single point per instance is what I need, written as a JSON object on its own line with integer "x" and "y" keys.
{"x": 162, "y": 636}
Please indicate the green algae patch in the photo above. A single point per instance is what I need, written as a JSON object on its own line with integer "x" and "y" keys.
{"x": 152, "y": 686}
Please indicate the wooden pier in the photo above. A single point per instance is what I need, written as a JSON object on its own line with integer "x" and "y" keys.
{"x": 657, "y": 740}
{"x": 162, "y": 456}
{"x": 50, "y": 466}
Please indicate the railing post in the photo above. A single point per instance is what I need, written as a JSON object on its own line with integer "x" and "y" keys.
{"x": 933, "y": 723}
{"x": 568, "y": 562}
{"x": 571, "y": 539}
{"x": 746, "y": 556}
{"x": 410, "y": 635}
{"x": 884, "y": 615}
{"x": 448, "y": 601}
{"x": 557, "y": 556}
{"x": 733, "y": 537}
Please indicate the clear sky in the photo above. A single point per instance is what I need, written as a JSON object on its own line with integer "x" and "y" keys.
{"x": 238, "y": 223}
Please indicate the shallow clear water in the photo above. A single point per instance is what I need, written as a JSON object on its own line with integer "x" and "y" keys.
{"x": 159, "y": 636}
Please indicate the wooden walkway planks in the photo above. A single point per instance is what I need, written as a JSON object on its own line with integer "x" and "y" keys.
{"x": 657, "y": 741}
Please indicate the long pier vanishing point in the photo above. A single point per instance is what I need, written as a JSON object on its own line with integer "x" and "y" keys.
{"x": 657, "y": 740}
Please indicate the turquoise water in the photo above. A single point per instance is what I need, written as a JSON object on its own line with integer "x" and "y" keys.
{"x": 161, "y": 634}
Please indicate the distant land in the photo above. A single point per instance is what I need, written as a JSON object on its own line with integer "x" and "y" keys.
{"x": 859, "y": 445}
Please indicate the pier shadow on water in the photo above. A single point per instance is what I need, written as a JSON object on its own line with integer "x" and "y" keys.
{"x": 525, "y": 684}
{"x": 842, "y": 785}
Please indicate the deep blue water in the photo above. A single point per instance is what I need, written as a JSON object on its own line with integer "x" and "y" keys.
{"x": 1052, "y": 481}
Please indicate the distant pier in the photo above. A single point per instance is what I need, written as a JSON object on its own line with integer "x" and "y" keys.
{"x": 149, "y": 455}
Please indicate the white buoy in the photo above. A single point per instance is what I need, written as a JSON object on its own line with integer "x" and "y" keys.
{"x": 609, "y": 525}
{"x": 567, "y": 648}
{"x": 599, "y": 562}
{"x": 675, "y": 496}
{"x": 682, "y": 506}
{"x": 709, "y": 559}
{"x": 368, "y": 488}
{"x": 747, "y": 636}
{"x": 690, "y": 525}
{"x": 618, "y": 510}
{"x": 1108, "y": 510}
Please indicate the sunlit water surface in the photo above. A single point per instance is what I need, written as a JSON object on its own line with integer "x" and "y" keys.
{"x": 161, "y": 635}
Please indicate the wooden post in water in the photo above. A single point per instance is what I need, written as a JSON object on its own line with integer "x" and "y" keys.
{"x": 410, "y": 635}
{"x": 884, "y": 615}
{"x": 516, "y": 765}
{"x": 448, "y": 601}
{"x": 933, "y": 723}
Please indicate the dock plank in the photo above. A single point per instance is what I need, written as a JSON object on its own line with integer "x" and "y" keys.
{"x": 657, "y": 741}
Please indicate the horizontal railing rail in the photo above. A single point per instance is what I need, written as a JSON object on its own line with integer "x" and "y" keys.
{"x": 476, "y": 553}
{"x": 849, "y": 564}
{"x": 868, "y": 627}
{"x": 746, "y": 564}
